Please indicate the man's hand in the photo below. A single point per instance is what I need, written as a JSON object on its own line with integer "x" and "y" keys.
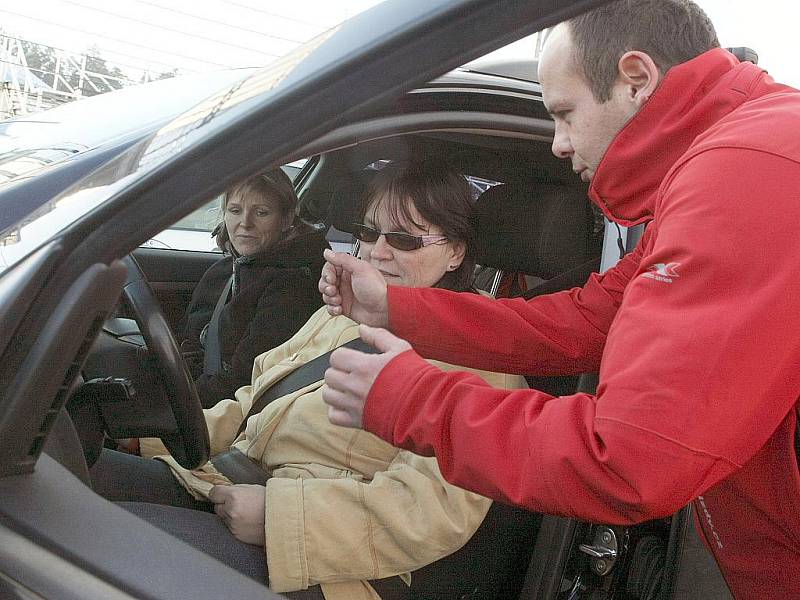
{"x": 241, "y": 508}
{"x": 352, "y": 373}
{"x": 354, "y": 288}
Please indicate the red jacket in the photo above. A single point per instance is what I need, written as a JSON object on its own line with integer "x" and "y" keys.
{"x": 696, "y": 335}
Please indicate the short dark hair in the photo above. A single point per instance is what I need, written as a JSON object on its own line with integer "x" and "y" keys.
{"x": 441, "y": 195}
{"x": 669, "y": 31}
{"x": 274, "y": 184}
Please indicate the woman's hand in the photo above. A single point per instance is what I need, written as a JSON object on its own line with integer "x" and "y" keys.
{"x": 128, "y": 446}
{"x": 241, "y": 508}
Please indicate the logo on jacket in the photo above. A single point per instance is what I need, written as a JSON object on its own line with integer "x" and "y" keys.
{"x": 665, "y": 272}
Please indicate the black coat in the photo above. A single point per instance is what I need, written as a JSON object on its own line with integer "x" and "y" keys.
{"x": 274, "y": 294}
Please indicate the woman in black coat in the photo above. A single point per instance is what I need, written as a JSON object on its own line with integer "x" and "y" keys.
{"x": 267, "y": 281}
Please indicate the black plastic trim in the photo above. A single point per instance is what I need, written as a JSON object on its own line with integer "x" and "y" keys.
{"x": 48, "y": 371}
{"x": 19, "y": 287}
{"x": 382, "y": 127}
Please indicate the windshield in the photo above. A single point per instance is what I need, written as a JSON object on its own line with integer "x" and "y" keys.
{"x": 46, "y": 137}
{"x": 52, "y": 215}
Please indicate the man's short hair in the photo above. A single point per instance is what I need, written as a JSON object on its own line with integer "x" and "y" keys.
{"x": 669, "y": 31}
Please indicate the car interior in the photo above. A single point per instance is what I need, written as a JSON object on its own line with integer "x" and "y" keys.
{"x": 536, "y": 234}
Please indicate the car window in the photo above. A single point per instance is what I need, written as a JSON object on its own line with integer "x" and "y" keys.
{"x": 193, "y": 232}
{"x": 47, "y": 217}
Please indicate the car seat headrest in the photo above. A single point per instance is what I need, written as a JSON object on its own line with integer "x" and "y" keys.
{"x": 540, "y": 229}
{"x": 344, "y": 207}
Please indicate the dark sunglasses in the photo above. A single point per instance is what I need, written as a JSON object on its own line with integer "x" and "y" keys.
{"x": 396, "y": 239}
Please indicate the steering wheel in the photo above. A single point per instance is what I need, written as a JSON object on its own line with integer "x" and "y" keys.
{"x": 189, "y": 443}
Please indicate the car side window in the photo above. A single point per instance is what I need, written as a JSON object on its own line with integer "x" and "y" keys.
{"x": 193, "y": 232}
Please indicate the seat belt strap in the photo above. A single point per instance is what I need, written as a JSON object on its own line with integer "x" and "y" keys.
{"x": 212, "y": 350}
{"x": 573, "y": 278}
{"x": 313, "y": 370}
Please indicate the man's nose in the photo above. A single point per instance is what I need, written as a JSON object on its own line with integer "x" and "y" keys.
{"x": 562, "y": 147}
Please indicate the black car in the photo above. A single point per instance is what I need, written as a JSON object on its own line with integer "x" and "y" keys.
{"x": 365, "y": 93}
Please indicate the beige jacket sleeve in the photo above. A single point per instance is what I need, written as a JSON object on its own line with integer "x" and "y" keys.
{"x": 327, "y": 530}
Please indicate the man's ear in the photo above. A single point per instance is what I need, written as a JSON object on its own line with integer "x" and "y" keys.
{"x": 640, "y": 76}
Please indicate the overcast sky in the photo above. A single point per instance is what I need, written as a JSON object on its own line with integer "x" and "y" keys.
{"x": 160, "y": 35}
{"x": 164, "y": 34}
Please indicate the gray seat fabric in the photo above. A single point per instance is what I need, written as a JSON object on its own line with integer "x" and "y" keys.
{"x": 346, "y": 200}
{"x": 206, "y": 532}
{"x": 540, "y": 229}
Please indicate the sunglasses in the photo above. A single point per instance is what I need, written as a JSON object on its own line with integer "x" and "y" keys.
{"x": 396, "y": 239}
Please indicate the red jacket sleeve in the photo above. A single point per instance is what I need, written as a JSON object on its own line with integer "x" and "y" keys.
{"x": 699, "y": 368}
{"x": 560, "y": 333}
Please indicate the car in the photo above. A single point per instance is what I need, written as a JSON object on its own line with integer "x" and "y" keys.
{"x": 381, "y": 87}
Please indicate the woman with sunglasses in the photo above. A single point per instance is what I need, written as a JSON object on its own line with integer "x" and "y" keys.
{"x": 342, "y": 513}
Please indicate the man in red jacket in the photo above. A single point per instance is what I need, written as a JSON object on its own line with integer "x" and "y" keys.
{"x": 696, "y": 334}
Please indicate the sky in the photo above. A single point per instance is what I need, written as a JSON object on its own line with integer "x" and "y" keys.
{"x": 161, "y": 35}
{"x": 191, "y": 36}
{"x": 769, "y": 27}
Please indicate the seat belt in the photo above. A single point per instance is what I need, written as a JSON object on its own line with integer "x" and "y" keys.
{"x": 313, "y": 370}
{"x": 240, "y": 468}
{"x": 212, "y": 352}
{"x": 575, "y": 277}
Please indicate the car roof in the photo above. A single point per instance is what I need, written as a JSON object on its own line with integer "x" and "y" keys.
{"x": 65, "y": 143}
{"x": 93, "y": 120}
{"x": 511, "y": 68}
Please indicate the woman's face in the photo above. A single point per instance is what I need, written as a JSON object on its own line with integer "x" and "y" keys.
{"x": 422, "y": 267}
{"x": 253, "y": 221}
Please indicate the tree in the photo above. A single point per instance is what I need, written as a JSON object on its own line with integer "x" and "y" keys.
{"x": 104, "y": 77}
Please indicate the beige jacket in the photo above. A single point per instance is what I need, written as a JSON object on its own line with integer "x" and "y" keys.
{"x": 342, "y": 506}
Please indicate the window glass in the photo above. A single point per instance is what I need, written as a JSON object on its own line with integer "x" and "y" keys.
{"x": 193, "y": 232}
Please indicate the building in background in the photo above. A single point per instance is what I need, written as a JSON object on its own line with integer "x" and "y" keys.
{"x": 36, "y": 77}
